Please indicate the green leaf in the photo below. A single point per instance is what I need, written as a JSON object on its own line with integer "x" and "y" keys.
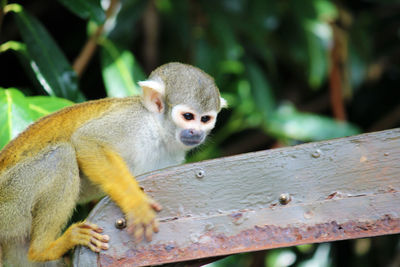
{"x": 229, "y": 47}
{"x": 288, "y": 123}
{"x": 27, "y": 62}
{"x": 13, "y": 46}
{"x": 15, "y": 114}
{"x": 206, "y": 57}
{"x": 44, "y": 105}
{"x": 130, "y": 12}
{"x": 325, "y": 10}
{"x": 319, "y": 37}
{"x": 261, "y": 89}
{"x": 86, "y": 9}
{"x": 280, "y": 257}
{"x": 51, "y": 67}
{"x": 120, "y": 70}
{"x": 18, "y": 111}
{"x": 314, "y": 34}
{"x": 232, "y": 67}
{"x": 321, "y": 257}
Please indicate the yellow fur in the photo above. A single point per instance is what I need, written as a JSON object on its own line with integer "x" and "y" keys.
{"x": 104, "y": 166}
{"x": 51, "y": 129}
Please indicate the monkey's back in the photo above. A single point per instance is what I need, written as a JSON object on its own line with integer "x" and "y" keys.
{"x": 54, "y": 128}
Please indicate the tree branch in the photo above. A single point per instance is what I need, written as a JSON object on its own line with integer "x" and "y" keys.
{"x": 335, "y": 76}
{"x": 90, "y": 47}
{"x": 150, "y": 44}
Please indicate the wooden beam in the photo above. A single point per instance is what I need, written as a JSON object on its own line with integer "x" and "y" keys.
{"x": 317, "y": 192}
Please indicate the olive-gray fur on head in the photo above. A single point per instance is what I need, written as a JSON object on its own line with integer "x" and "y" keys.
{"x": 185, "y": 84}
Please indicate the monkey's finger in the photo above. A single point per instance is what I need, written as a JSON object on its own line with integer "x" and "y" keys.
{"x": 105, "y": 238}
{"x": 98, "y": 243}
{"x": 89, "y": 235}
{"x": 148, "y": 232}
{"x": 138, "y": 233}
{"x": 154, "y": 205}
{"x": 155, "y": 226}
{"x": 83, "y": 234}
{"x": 87, "y": 225}
{"x": 93, "y": 247}
{"x": 157, "y": 207}
{"x": 102, "y": 238}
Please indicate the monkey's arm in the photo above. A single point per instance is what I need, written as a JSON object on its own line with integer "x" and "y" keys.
{"x": 105, "y": 167}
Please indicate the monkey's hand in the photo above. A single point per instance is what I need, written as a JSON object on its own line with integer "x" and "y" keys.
{"x": 141, "y": 220}
{"x": 81, "y": 233}
{"x": 88, "y": 234}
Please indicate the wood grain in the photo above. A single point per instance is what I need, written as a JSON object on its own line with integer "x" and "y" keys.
{"x": 339, "y": 189}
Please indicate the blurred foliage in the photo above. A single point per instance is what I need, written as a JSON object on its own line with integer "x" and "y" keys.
{"x": 18, "y": 111}
{"x": 120, "y": 71}
{"x": 280, "y": 65}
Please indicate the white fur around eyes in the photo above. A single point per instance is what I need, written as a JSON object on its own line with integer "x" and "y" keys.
{"x": 196, "y": 123}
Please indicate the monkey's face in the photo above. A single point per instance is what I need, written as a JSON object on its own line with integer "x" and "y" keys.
{"x": 192, "y": 127}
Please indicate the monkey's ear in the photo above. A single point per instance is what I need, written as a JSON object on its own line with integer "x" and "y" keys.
{"x": 224, "y": 103}
{"x": 153, "y": 95}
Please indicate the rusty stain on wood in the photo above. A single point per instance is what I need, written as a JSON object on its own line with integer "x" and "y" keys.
{"x": 350, "y": 190}
{"x": 259, "y": 237}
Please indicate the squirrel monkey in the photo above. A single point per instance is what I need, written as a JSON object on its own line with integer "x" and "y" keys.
{"x": 81, "y": 152}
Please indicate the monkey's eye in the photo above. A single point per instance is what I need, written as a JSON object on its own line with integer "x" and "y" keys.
{"x": 188, "y": 116}
{"x": 205, "y": 118}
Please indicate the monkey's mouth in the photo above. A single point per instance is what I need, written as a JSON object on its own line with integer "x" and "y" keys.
{"x": 191, "y": 142}
{"x": 190, "y": 137}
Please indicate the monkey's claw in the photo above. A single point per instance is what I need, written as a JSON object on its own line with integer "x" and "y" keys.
{"x": 88, "y": 234}
{"x": 142, "y": 220}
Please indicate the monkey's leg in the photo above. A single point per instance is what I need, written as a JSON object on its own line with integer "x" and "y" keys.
{"x": 106, "y": 168}
{"x": 82, "y": 233}
{"x": 54, "y": 207}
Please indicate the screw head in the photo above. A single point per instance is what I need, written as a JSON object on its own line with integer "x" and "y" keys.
{"x": 200, "y": 173}
{"x": 120, "y": 223}
{"x": 316, "y": 154}
{"x": 284, "y": 198}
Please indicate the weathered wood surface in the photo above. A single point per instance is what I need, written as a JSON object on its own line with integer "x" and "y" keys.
{"x": 339, "y": 189}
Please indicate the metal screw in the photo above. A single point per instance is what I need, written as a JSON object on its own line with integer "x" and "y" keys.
{"x": 284, "y": 198}
{"x": 120, "y": 223}
{"x": 316, "y": 153}
{"x": 200, "y": 174}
